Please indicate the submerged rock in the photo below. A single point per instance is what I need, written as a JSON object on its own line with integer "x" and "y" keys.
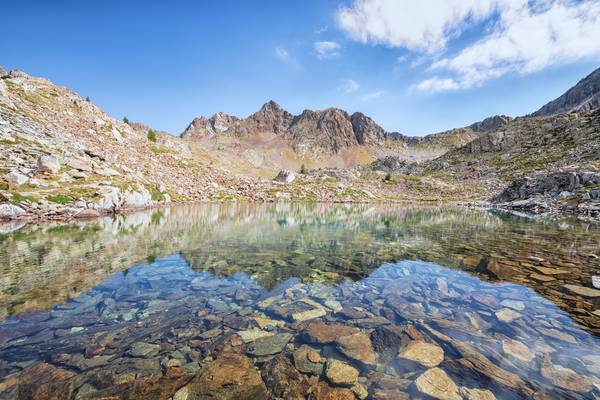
{"x": 308, "y": 361}
{"x": 427, "y": 354}
{"x": 231, "y": 377}
{"x": 283, "y": 380}
{"x": 269, "y": 345}
{"x": 436, "y": 383}
{"x": 341, "y": 374}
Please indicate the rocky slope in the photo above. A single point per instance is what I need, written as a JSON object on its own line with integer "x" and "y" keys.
{"x": 584, "y": 96}
{"x": 61, "y": 157}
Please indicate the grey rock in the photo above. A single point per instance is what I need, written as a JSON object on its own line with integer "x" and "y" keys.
{"x": 285, "y": 176}
{"x": 16, "y": 178}
{"x": 10, "y": 211}
{"x": 269, "y": 345}
{"x": 49, "y": 164}
{"x": 142, "y": 349}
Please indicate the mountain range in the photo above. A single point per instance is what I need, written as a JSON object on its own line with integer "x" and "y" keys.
{"x": 61, "y": 156}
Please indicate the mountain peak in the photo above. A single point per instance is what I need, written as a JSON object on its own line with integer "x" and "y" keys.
{"x": 584, "y": 96}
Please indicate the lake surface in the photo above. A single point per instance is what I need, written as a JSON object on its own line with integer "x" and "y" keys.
{"x": 242, "y": 301}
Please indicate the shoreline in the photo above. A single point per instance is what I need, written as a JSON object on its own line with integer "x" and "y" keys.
{"x": 69, "y": 214}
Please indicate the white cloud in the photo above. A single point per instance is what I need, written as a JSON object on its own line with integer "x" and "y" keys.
{"x": 327, "y": 49}
{"x": 321, "y": 29}
{"x": 421, "y": 25}
{"x": 528, "y": 40}
{"x": 372, "y": 95}
{"x": 522, "y": 36}
{"x": 349, "y": 86}
{"x": 436, "y": 84}
{"x": 282, "y": 54}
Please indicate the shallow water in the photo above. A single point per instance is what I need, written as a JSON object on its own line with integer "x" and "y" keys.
{"x": 413, "y": 299}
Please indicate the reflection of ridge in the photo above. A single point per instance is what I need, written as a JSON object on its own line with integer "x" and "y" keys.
{"x": 317, "y": 243}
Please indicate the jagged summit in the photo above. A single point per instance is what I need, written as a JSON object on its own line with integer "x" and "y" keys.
{"x": 329, "y": 130}
{"x": 584, "y": 96}
{"x": 490, "y": 123}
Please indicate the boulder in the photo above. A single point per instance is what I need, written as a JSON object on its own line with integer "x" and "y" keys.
{"x": 285, "y": 176}
{"x": 230, "y": 377}
{"x": 15, "y": 178}
{"x": 48, "y": 164}
{"x": 10, "y": 211}
{"x": 283, "y": 380}
{"x": 137, "y": 198}
{"x": 427, "y": 354}
{"x": 107, "y": 172}
{"x": 80, "y": 165}
{"x": 436, "y": 383}
{"x": 341, "y": 374}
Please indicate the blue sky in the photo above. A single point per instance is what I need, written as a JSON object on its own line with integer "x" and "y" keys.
{"x": 413, "y": 71}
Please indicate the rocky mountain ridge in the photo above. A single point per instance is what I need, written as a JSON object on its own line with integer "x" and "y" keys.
{"x": 584, "y": 96}
{"x": 62, "y": 157}
{"x": 330, "y": 130}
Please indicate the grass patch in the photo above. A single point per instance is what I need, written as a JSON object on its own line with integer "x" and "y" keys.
{"x": 19, "y": 198}
{"x": 59, "y": 198}
{"x": 160, "y": 149}
{"x": 155, "y": 194}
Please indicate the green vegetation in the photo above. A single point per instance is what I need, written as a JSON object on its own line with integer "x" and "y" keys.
{"x": 59, "y": 198}
{"x": 302, "y": 169}
{"x": 126, "y": 120}
{"x": 3, "y": 186}
{"x": 388, "y": 177}
{"x": 155, "y": 194}
{"x": 88, "y": 99}
{"x": 152, "y": 135}
{"x": 18, "y": 198}
{"x": 160, "y": 149}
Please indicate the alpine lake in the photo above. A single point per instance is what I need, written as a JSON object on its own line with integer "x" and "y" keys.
{"x": 294, "y": 301}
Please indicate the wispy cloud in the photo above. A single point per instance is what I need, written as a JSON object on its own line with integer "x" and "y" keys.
{"x": 327, "y": 49}
{"x": 372, "y": 95}
{"x": 435, "y": 84}
{"x": 321, "y": 29}
{"x": 282, "y": 54}
{"x": 349, "y": 86}
{"x": 523, "y": 36}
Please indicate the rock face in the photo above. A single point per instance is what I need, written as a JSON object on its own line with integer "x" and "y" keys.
{"x": 584, "y": 96}
{"x": 329, "y": 130}
{"x": 490, "y": 123}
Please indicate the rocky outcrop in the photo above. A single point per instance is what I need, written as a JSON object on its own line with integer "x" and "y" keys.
{"x": 570, "y": 192}
{"x": 490, "y": 123}
{"x": 328, "y": 130}
{"x": 366, "y": 130}
{"x": 389, "y": 164}
{"x": 584, "y": 96}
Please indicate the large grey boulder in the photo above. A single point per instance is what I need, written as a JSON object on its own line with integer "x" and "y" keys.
{"x": 80, "y": 165}
{"x": 285, "y": 176}
{"x": 10, "y": 211}
{"x": 49, "y": 164}
{"x": 137, "y": 198}
{"x": 15, "y": 178}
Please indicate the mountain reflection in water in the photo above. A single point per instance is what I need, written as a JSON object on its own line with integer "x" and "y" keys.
{"x": 412, "y": 298}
